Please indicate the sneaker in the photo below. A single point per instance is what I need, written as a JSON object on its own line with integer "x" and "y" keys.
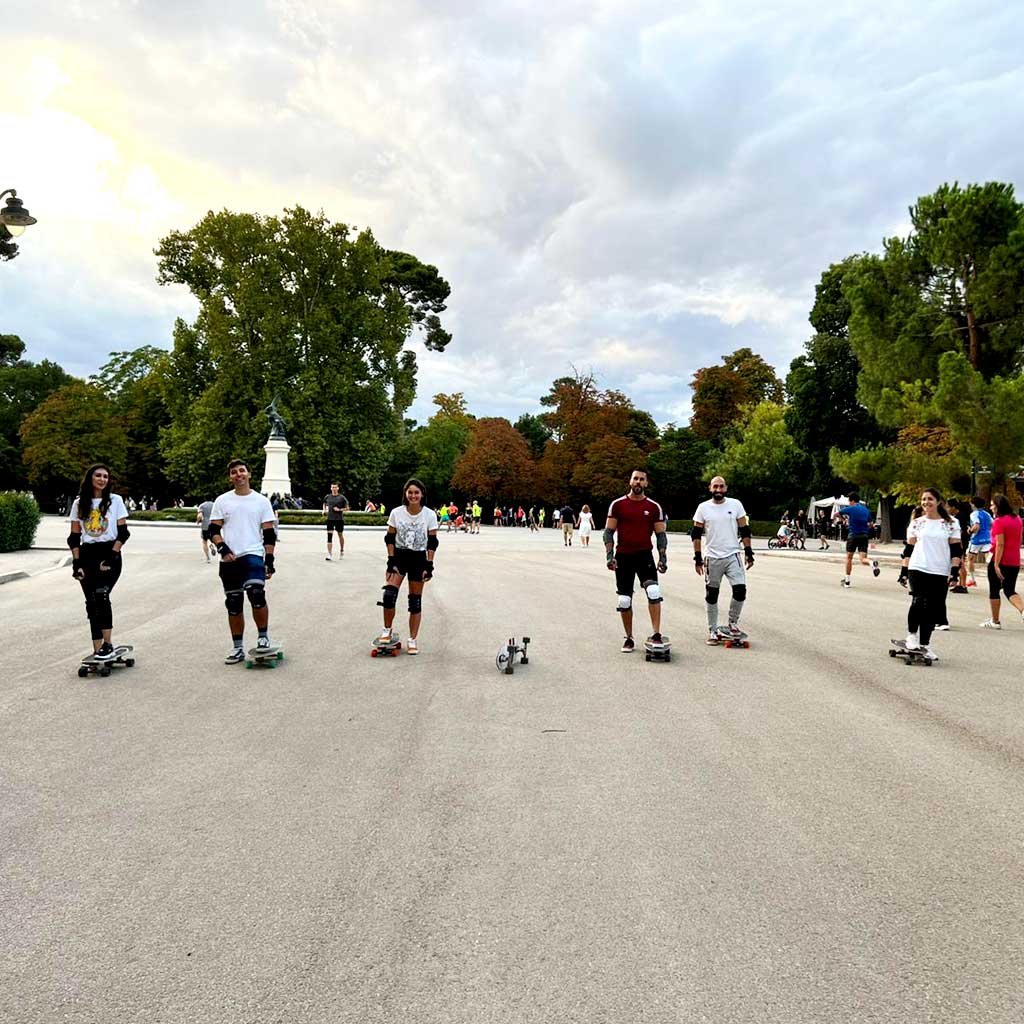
{"x": 237, "y": 655}
{"x": 846, "y": 583}
{"x": 627, "y": 645}
{"x": 713, "y": 639}
{"x": 410, "y": 646}
{"x": 732, "y": 631}
{"x": 972, "y": 583}
{"x": 105, "y": 653}
{"x": 328, "y": 558}
{"x": 385, "y": 637}
{"x": 654, "y": 638}
{"x": 958, "y": 590}
{"x": 989, "y": 624}
{"x": 263, "y": 644}
{"x": 943, "y": 628}
{"x": 874, "y": 568}
{"x": 929, "y": 653}
{"x": 912, "y": 643}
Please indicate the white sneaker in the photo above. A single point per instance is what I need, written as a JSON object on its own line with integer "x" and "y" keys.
{"x": 328, "y": 558}
{"x": 263, "y": 643}
{"x": 929, "y": 653}
{"x": 989, "y": 624}
{"x": 912, "y": 643}
{"x": 944, "y": 629}
{"x": 713, "y": 639}
{"x": 410, "y": 646}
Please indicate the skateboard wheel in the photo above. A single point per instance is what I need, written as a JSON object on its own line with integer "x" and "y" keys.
{"x": 394, "y": 653}
{"x": 83, "y": 672}
{"x": 105, "y": 671}
{"x": 280, "y": 655}
{"x": 373, "y": 652}
{"x": 129, "y": 662}
{"x": 248, "y": 664}
{"x": 892, "y": 654}
{"x": 647, "y": 657}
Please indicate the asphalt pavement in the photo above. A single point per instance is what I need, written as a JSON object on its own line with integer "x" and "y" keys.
{"x": 805, "y": 831}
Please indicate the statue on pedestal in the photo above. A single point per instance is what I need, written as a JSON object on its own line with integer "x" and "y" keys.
{"x": 276, "y": 420}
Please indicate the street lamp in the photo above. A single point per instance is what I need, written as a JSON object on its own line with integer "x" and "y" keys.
{"x": 14, "y": 216}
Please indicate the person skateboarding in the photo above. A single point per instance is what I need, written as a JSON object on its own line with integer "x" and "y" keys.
{"x": 411, "y": 540}
{"x": 634, "y": 518}
{"x": 98, "y": 522}
{"x": 242, "y": 530}
{"x": 335, "y": 507}
{"x": 721, "y": 538}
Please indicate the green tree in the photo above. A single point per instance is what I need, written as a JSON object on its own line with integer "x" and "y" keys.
{"x": 304, "y": 308}
{"x": 759, "y": 378}
{"x": 676, "y": 470}
{"x": 73, "y": 427}
{"x": 535, "y": 431}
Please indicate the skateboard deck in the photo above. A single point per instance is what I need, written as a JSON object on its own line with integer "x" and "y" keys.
{"x": 899, "y": 649}
{"x": 728, "y": 640}
{"x": 658, "y": 652}
{"x": 268, "y": 656}
{"x": 91, "y": 665}
{"x": 382, "y": 648}
{"x": 509, "y": 652}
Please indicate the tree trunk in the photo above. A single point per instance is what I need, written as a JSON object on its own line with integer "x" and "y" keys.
{"x": 972, "y": 333}
{"x": 885, "y": 523}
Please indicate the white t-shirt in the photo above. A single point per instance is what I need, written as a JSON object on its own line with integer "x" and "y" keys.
{"x": 243, "y": 516}
{"x": 931, "y": 551}
{"x": 97, "y": 528}
{"x": 411, "y": 531}
{"x": 721, "y": 534}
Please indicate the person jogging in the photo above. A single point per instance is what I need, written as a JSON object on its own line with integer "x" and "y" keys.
{"x": 980, "y": 540}
{"x": 722, "y": 549}
{"x": 1004, "y": 566}
{"x": 858, "y": 520}
{"x": 203, "y": 518}
{"x": 411, "y": 540}
{"x": 631, "y": 521}
{"x": 242, "y": 530}
{"x": 932, "y": 554}
{"x": 98, "y": 530}
{"x": 335, "y": 507}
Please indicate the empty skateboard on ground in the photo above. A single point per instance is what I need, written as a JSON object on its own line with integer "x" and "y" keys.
{"x": 911, "y": 655}
{"x": 658, "y": 651}
{"x": 91, "y": 665}
{"x": 268, "y": 656}
{"x": 382, "y": 648}
{"x": 727, "y": 639}
{"x": 506, "y": 657}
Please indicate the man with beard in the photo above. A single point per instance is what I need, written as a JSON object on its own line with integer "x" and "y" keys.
{"x": 636, "y": 517}
{"x": 720, "y": 525}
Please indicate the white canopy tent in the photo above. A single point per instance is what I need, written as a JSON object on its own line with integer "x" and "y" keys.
{"x": 830, "y": 503}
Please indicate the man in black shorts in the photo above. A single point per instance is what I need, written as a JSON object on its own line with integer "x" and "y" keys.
{"x": 636, "y": 517}
{"x": 335, "y": 506}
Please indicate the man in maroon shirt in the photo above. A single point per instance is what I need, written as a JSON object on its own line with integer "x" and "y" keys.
{"x": 636, "y": 517}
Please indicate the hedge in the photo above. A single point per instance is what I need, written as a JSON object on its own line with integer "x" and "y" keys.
{"x": 289, "y": 517}
{"x": 19, "y": 519}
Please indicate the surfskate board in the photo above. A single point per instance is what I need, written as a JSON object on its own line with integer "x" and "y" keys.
{"x": 658, "y": 652}
{"x": 727, "y": 639}
{"x": 505, "y": 659}
{"x": 910, "y": 655}
{"x": 124, "y": 655}
{"x": 266, "y": 656}
{"x": 382, "y": 648}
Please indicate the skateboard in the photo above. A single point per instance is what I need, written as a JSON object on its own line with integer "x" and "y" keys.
{"x": 268, "y": 656}
{"x": 506, "y": 657}
{"x": 658, "y": 652}
{"x": 899, "y": 649}
{"x": 727, "y": 640}
{"x": 382, "y": 648}
{"x": 91, "y": 665}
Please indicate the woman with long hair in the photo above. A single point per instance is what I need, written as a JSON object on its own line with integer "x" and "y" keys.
{"x": 586, "y": 525}
{"x": 1004, "y": 565}
{"x": 99, "y": 529}
{"x": 932, "y": 557}
{"x": 411, "y": 540}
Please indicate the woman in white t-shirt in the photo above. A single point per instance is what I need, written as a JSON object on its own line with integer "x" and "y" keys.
{"x": 931, "y": 559}
{"x": 411, "y": 539}
{"x": 586, "y": 525}
{"x": 99, "y": 529}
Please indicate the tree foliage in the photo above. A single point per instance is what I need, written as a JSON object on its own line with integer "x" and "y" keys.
{"x": 496, "y": 466}
{"x": 721, "y": 392}
{"x": 676, "y": 470}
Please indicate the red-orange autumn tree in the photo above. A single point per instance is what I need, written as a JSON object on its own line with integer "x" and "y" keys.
{"x": 497, "y": 465}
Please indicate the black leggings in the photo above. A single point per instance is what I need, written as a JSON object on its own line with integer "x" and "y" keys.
{"x": 1008, "y": 584}
{"x": 98, "y": 584}
{"x": 928, "y": 593}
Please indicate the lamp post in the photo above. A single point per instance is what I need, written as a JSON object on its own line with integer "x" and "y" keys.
{"x": 14, "y": 217}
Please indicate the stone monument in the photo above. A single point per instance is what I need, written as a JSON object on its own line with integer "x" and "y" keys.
{"x": 275, "y": 474}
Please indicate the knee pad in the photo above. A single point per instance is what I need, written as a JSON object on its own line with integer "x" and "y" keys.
{"x": 234, "y": 602}
{"x": 390, "y": 598}
{"x": 415, "y": 604}
{"x": 711, "y": 595}
{"x": 739, "y": 592}
{"x": 653, "y": 592}
{"x": 625, "y": 602}
{"x": 257, "y": 595}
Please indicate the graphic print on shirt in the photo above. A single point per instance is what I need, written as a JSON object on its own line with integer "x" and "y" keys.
{"x": 95, "y": 524}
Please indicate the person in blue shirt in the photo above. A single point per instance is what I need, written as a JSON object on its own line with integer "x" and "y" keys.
{"x": 858, "y": 521}
{"x": 980, "y": 537}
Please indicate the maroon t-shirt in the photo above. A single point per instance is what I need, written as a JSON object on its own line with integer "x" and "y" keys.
{"x": 636, "y": 521}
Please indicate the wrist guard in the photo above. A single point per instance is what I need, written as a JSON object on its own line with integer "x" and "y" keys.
{"x": 428, "y": 571}
{"x": 748, "y": 553}
{"x": 392, "y": 565}
{"x": 76, "y": 565}
{"x": 698, "y": 558}
{"x": 223, "y": 549}
{"x": 903, "y": 576}
{"x": 268, "y": 562}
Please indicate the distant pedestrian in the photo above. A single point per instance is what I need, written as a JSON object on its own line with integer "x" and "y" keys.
{"x": 335, "y": 507}
{"x": 980, "y": 537}
{"x": 567, "y": 517}
{"x": 586, "y": 525}
{"x": 1004, "y": 566}
{"x": 203, "y": 518}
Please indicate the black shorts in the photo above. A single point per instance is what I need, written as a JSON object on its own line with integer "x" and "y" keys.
{"x": 332, "y": 526}
{"x": 858, "y": 543}
{"x": 205, "y": 531}
{"x": 1008, "y": 585}
{"x": 411, "y": 564}
{"x": 637, "y": 563}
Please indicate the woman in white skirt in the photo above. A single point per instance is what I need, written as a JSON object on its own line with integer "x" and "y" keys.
{"x": 586, "y": 525}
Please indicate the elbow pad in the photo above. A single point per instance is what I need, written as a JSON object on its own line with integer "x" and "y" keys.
{"x": 74, "y": 540}
{"x": 957, "y": 549}
{"x": 432, "y": 542}
{"x": 661, "y": 539}
{"x": 908, "y": 550}
{"x": 123, "y": 534}
{"x": 389, "y": 538}
{"x": 745, "y": 532}
{"x": 609, "y": 537}
{"x": 697, "y": 532}
{"x": 269, "y": 536}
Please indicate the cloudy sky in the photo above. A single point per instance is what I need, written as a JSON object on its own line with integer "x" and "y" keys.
{"x": 631, "y": 187}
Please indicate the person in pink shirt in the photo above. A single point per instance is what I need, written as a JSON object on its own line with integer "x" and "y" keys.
{"x": 1004, "y": 566}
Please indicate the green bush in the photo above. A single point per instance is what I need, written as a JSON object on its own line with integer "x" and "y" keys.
{"x": 289, "y": 517}
{"x": 19, "y": 519}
